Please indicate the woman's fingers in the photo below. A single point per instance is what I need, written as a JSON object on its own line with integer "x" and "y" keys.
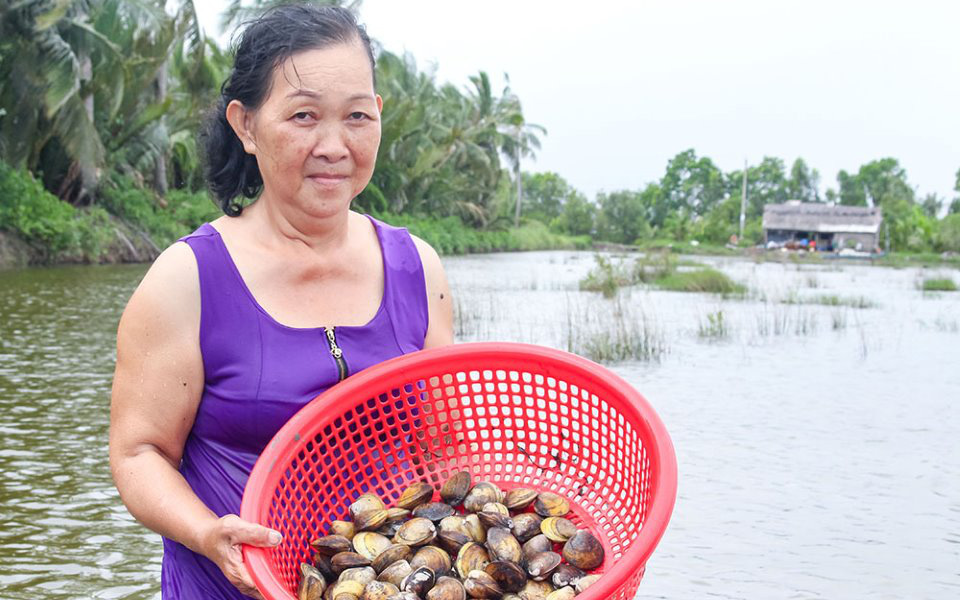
{"x": 251, "y": 534}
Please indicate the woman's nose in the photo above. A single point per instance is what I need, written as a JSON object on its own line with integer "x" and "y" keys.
{"x": 330, "y": 143}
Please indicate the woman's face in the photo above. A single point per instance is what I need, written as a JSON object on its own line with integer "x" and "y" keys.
{"x": 317, "y": 133}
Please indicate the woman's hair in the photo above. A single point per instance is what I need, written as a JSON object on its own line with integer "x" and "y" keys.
{"x": 264, "y": 44}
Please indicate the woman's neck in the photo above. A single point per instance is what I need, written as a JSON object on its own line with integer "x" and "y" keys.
{"x": 278, "y": 224}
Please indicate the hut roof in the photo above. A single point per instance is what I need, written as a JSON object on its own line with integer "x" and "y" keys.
{"x": 822, "y": 218}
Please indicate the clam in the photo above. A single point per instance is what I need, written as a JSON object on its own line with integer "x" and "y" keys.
{"x": 526, "y": 525}
{"x": 549, "y": 504}
{"x": 415, "y": 495}
{"x": 323, "y": 564}
{"x": 558, "y": 529}
{"x": 481, "y": 585}
{"x": 503, "y": 546}
{"x": 436, "y": 559}
{"x": 455, "y": 488}
{"x": 370, "y": 520}
{"x": 344, "y": 528}
{"x": 537, "y": 544}
{"x": 312, "y": 584}
{"x": 365, "y": 503}
{"x": 369, "y": 544}
{"x": 495, "y": 518}
{"x": 452, "y": 541}
{"x": 583, "y": 551}
{"x": 379, "y": 590}
{"x": 363, "y": 575}
{"x": 391, "y": 555}
{"x": 511, "y": 597}
{"x": 395, "y": 573}
{"x": 397, "y": 514}
{"x": 347, "y": 588}
{"x": 480, "y": 494}
{"x": 416, "y": 532}
{"x": 404, "y": 596}
{"x": 541, "y": 566}
{"x": 447, "y": 588}
{"x": 331, "y": 544}
{"x": 535, "y": 590}
{"x": 435, "y": 511}
{"x": 585, "y": 582}
{"x": 519, "y": 498}
{"x": 472, "y": 557}
{"x": 508, "y": 575}
{"x": 564, "y": 593}
{"x": 476, "y": 529}
{"x": 566, "y": 575}
{"x": 454, "y": 523}
{"x": 419, "y": 581}
{"x": 348, "y": 560}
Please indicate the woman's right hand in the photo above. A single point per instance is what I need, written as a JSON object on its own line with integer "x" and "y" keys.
{"x": 222, "y": 544}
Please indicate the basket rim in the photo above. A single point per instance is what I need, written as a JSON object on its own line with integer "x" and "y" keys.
{"x": 663, "y": 490}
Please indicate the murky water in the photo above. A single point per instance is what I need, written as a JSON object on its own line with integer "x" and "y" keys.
{"x": 819, "y": 446}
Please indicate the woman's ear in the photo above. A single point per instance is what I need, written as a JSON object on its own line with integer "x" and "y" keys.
{"x": 379, "y": 103}
{"x": 239, "y": 120}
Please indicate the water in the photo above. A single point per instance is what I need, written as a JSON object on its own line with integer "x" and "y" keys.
{"x": 817, "y": 445}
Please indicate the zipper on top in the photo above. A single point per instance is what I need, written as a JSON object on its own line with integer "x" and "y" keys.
{"x": 337, "y": 353}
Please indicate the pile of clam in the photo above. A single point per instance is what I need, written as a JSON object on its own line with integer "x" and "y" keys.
{"x": 422, "y": 550}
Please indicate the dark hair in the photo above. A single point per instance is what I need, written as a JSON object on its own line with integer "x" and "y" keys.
{"x": 263, "y": 45}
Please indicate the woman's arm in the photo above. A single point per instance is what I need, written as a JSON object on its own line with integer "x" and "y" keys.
{"x": 440, "y": 304}
{"x": 156, "y": 392}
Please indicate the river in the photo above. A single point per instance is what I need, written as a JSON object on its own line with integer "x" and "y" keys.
{"x": 818, "y": 439}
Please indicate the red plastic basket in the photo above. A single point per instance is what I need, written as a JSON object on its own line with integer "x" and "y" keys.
{"x": 512, "y": 414}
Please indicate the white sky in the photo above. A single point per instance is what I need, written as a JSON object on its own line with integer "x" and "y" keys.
{"x": 622, "y": 86}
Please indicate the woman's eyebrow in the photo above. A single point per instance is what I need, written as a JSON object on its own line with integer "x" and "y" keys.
{"x": 313, "y": 94}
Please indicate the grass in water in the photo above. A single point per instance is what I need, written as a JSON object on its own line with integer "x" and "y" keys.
{"x": 613, "y": 334}
{"x": 939, "y": 284}
{"x": 606, "y": 277}
{"x": 701, "y": 280}
{"x": 832, "y": 300}
{"x": 715, "y": 327}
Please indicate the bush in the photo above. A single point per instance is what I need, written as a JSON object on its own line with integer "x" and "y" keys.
{"x": 36, "y": 215}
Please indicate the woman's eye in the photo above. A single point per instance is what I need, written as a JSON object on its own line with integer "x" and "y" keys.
{"x": 357, "y": 116}
{"x": 301, "y": 116}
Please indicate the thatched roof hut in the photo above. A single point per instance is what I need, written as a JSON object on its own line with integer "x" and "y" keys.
{"x": 833, "y": 227}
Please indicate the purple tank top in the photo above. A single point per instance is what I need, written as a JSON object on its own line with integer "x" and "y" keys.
{"x": 259, "y": 372}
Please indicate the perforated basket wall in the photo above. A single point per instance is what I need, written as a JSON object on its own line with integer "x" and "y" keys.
{"x": 512, "y": 414}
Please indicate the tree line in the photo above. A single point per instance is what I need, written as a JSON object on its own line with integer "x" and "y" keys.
{"x": 696, "y": 200}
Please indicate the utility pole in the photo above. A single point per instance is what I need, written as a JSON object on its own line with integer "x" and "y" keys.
{"x": 516, "y": 216}
{"x": 743, "y": 200}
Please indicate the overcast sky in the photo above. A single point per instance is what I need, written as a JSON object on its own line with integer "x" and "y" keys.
{"x": 622, "y": 86}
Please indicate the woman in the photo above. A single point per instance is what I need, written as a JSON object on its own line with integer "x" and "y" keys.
{"x": 240, "y": 324}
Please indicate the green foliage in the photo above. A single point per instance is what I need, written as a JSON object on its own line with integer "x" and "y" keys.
{"x": 184, "y": 210}
{"x": 449, "y": 235}
{"x": 691, "y": 185}
{"x": 939, "y": 284}
{"x": 622, "y": 217}
{"x": 606, "y": 277}
{"x": 948, "y": 235}
{"x": 545, "y": 195}
{"x": 38, "y": 216}
{"x": 578, "y": 217}
{"x": 701, "y": 280}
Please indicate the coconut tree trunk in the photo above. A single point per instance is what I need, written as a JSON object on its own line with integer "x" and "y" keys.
{"x": 160, "y": 165}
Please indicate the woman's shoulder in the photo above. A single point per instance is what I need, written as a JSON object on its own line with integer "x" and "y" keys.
{"x": 169, "y": 291}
